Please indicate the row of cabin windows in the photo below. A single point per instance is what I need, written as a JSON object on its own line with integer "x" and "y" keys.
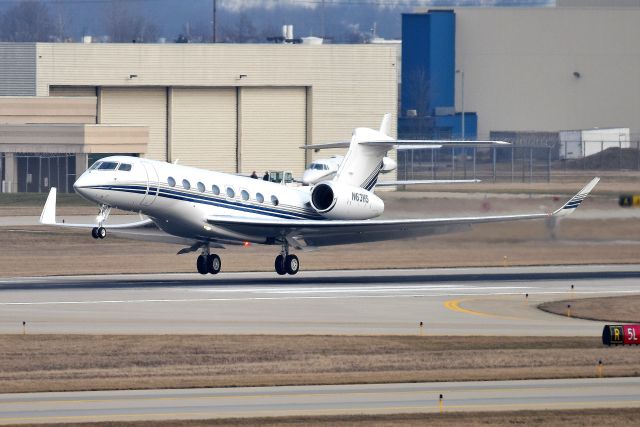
{"x": 244, "y": 194}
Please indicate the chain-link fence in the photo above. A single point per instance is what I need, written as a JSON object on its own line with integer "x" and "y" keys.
{"x": 521, "y": 162}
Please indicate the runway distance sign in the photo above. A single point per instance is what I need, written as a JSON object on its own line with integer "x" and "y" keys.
{"x": 621, "y": 335}
{"x": 628, "y": 200}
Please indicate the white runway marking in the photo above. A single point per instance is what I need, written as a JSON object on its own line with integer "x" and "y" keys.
{"x": 188, "y": 300}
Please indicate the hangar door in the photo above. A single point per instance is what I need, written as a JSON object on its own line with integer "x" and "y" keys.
{"x": 203, "y": 128}
{"x": 272, "y": 127}
{"x": 138, "y": 106}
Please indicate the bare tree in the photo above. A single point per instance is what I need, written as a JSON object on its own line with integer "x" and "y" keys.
{"x": 123, "y": 26}
{"x": 27, "y": 21}
{"x": 241, "y": 31}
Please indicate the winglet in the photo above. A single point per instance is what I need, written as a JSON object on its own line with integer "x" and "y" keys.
{"x": 385, "y": 125}
{"x": 575, "y": 201}
{"x": 48, "y": 215}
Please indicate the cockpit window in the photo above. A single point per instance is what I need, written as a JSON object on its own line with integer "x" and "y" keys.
{"x": 95, "y": 165}
{"x": 126, "y": 167}
{"x": 107, "y": 166}
{"x": 318, "y": 166}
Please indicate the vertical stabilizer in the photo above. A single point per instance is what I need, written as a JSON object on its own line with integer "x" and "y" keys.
{"x": 363, "y": 162}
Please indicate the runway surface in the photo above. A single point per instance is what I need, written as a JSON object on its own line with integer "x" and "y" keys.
{"x": 482, "y": 301}
{"x": 318, "y": 400}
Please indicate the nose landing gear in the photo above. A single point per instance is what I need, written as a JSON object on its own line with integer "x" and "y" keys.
{"x": 208, "y": 263}
{"x": 286, "y": 263}
{"x": 100, "y": 232}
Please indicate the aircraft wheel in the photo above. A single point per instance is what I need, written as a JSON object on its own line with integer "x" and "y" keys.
{"x": 213, "y": 264}
{"x": 201, "y": 264}
{"x": 280, "y": 267}
{"x": 101, "y": 232}
{"x": 94, "y": 232}
{"x": 292, "y": 264}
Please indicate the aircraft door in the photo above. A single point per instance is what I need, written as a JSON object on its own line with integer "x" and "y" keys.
{"x": 152, "y": 184}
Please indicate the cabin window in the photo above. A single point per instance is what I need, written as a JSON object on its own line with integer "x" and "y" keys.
{"x": 171, "y": 181}
{"x": 201, "y": 187}
{"x": 186, "y": 184}
{"x": 274, "y": 200}
{"x": 107, "y": 166}
{"x": 260, "y": 197}
{"x": 215, "y": 189}
{"x": 244, "y": 194}
{"x": 125, "y": 167}
{"x": 230, "y": 192}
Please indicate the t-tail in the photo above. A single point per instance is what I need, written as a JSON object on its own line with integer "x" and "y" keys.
{"x": 368, "y": 147}
{"x": 363, "y": 162}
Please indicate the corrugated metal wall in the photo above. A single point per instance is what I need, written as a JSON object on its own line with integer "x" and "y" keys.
{"x": 138, "y": 106}
{"x": 272, "y": 127}
{"x": 17, "y": 69}
{"x": 203, "y": 127}
{"x": 72, "y": 91}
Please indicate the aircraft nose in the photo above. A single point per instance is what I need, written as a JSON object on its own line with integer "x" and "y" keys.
{"x": 81, "y": 186}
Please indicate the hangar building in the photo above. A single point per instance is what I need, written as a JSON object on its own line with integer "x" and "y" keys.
{"x": 231, "y": 108}
{"x": 572, "y": 66}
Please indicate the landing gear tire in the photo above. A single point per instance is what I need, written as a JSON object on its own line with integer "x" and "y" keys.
{"x": 201, "y": 264}
{"x": 281, "y": 269}
{"x": 94, "y": 232}
{"x": 292, "y": 264}
{"x": 101, "y": 232}
{"x": 213, "y": 264}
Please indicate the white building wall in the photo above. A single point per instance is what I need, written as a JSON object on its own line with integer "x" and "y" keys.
{"x": 349, "y": 85}
{"x": 519, "y": 67}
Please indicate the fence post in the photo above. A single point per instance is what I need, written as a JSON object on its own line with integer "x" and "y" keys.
{"x": 494, "y": 164}
{"x": 549, "y": 164}
{"x": 474, "y": 163}
{"x": 530, "y": 164}
{"x": 512, "y": 164}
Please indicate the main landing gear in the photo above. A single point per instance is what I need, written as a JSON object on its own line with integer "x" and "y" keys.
{"x": 208, "y": 263}
{"x": 100, "y": 232}
{"x": 286, "y": 263}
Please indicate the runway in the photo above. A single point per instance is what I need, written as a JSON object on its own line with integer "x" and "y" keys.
{"x": 174, "y": 404}
{"x": 474, "y": 301}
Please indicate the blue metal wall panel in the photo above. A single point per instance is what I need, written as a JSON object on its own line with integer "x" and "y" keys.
{"x": 442, "y": 61}
{"x": 415, "y": 63}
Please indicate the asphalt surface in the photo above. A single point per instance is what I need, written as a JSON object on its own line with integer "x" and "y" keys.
{"x": 482, "y": 301}
{"x": 128, "y": 405}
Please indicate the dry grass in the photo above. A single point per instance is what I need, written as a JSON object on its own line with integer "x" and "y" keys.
{"x": 582, "y": 417}
{"x": 606, "y": 309}
{"x": 578, "y": 242}
{"x": 78, "y": 362}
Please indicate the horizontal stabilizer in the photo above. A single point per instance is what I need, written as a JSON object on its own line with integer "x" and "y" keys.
{"x": 410, "y": 144}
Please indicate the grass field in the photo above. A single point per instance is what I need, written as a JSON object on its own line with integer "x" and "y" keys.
{"x": 79, "y": 362}
{"x": 582, "y": 417}
{"x": 607, "y": 309}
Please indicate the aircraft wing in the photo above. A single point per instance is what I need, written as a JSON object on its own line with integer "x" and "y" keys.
{"x": 311, "y": 233}
{"x": 427, "y": 181}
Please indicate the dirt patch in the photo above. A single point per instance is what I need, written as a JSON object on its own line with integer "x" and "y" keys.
{"x": 81, "y": 362}
{"x": 581, "y": 417}
{"x": 607, "y": 309}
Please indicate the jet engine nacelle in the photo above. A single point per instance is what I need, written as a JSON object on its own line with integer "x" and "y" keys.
{"x": 388, "y": 164}
{"x": 339, "y": 201}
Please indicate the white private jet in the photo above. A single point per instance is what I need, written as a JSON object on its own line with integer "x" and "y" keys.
{"x": 201, "y": 209}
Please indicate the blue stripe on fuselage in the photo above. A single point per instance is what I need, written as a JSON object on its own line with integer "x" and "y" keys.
{"x": 208, "y": 200}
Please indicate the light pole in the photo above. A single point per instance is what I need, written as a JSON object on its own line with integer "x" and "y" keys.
{"x": 461, "y": 72}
